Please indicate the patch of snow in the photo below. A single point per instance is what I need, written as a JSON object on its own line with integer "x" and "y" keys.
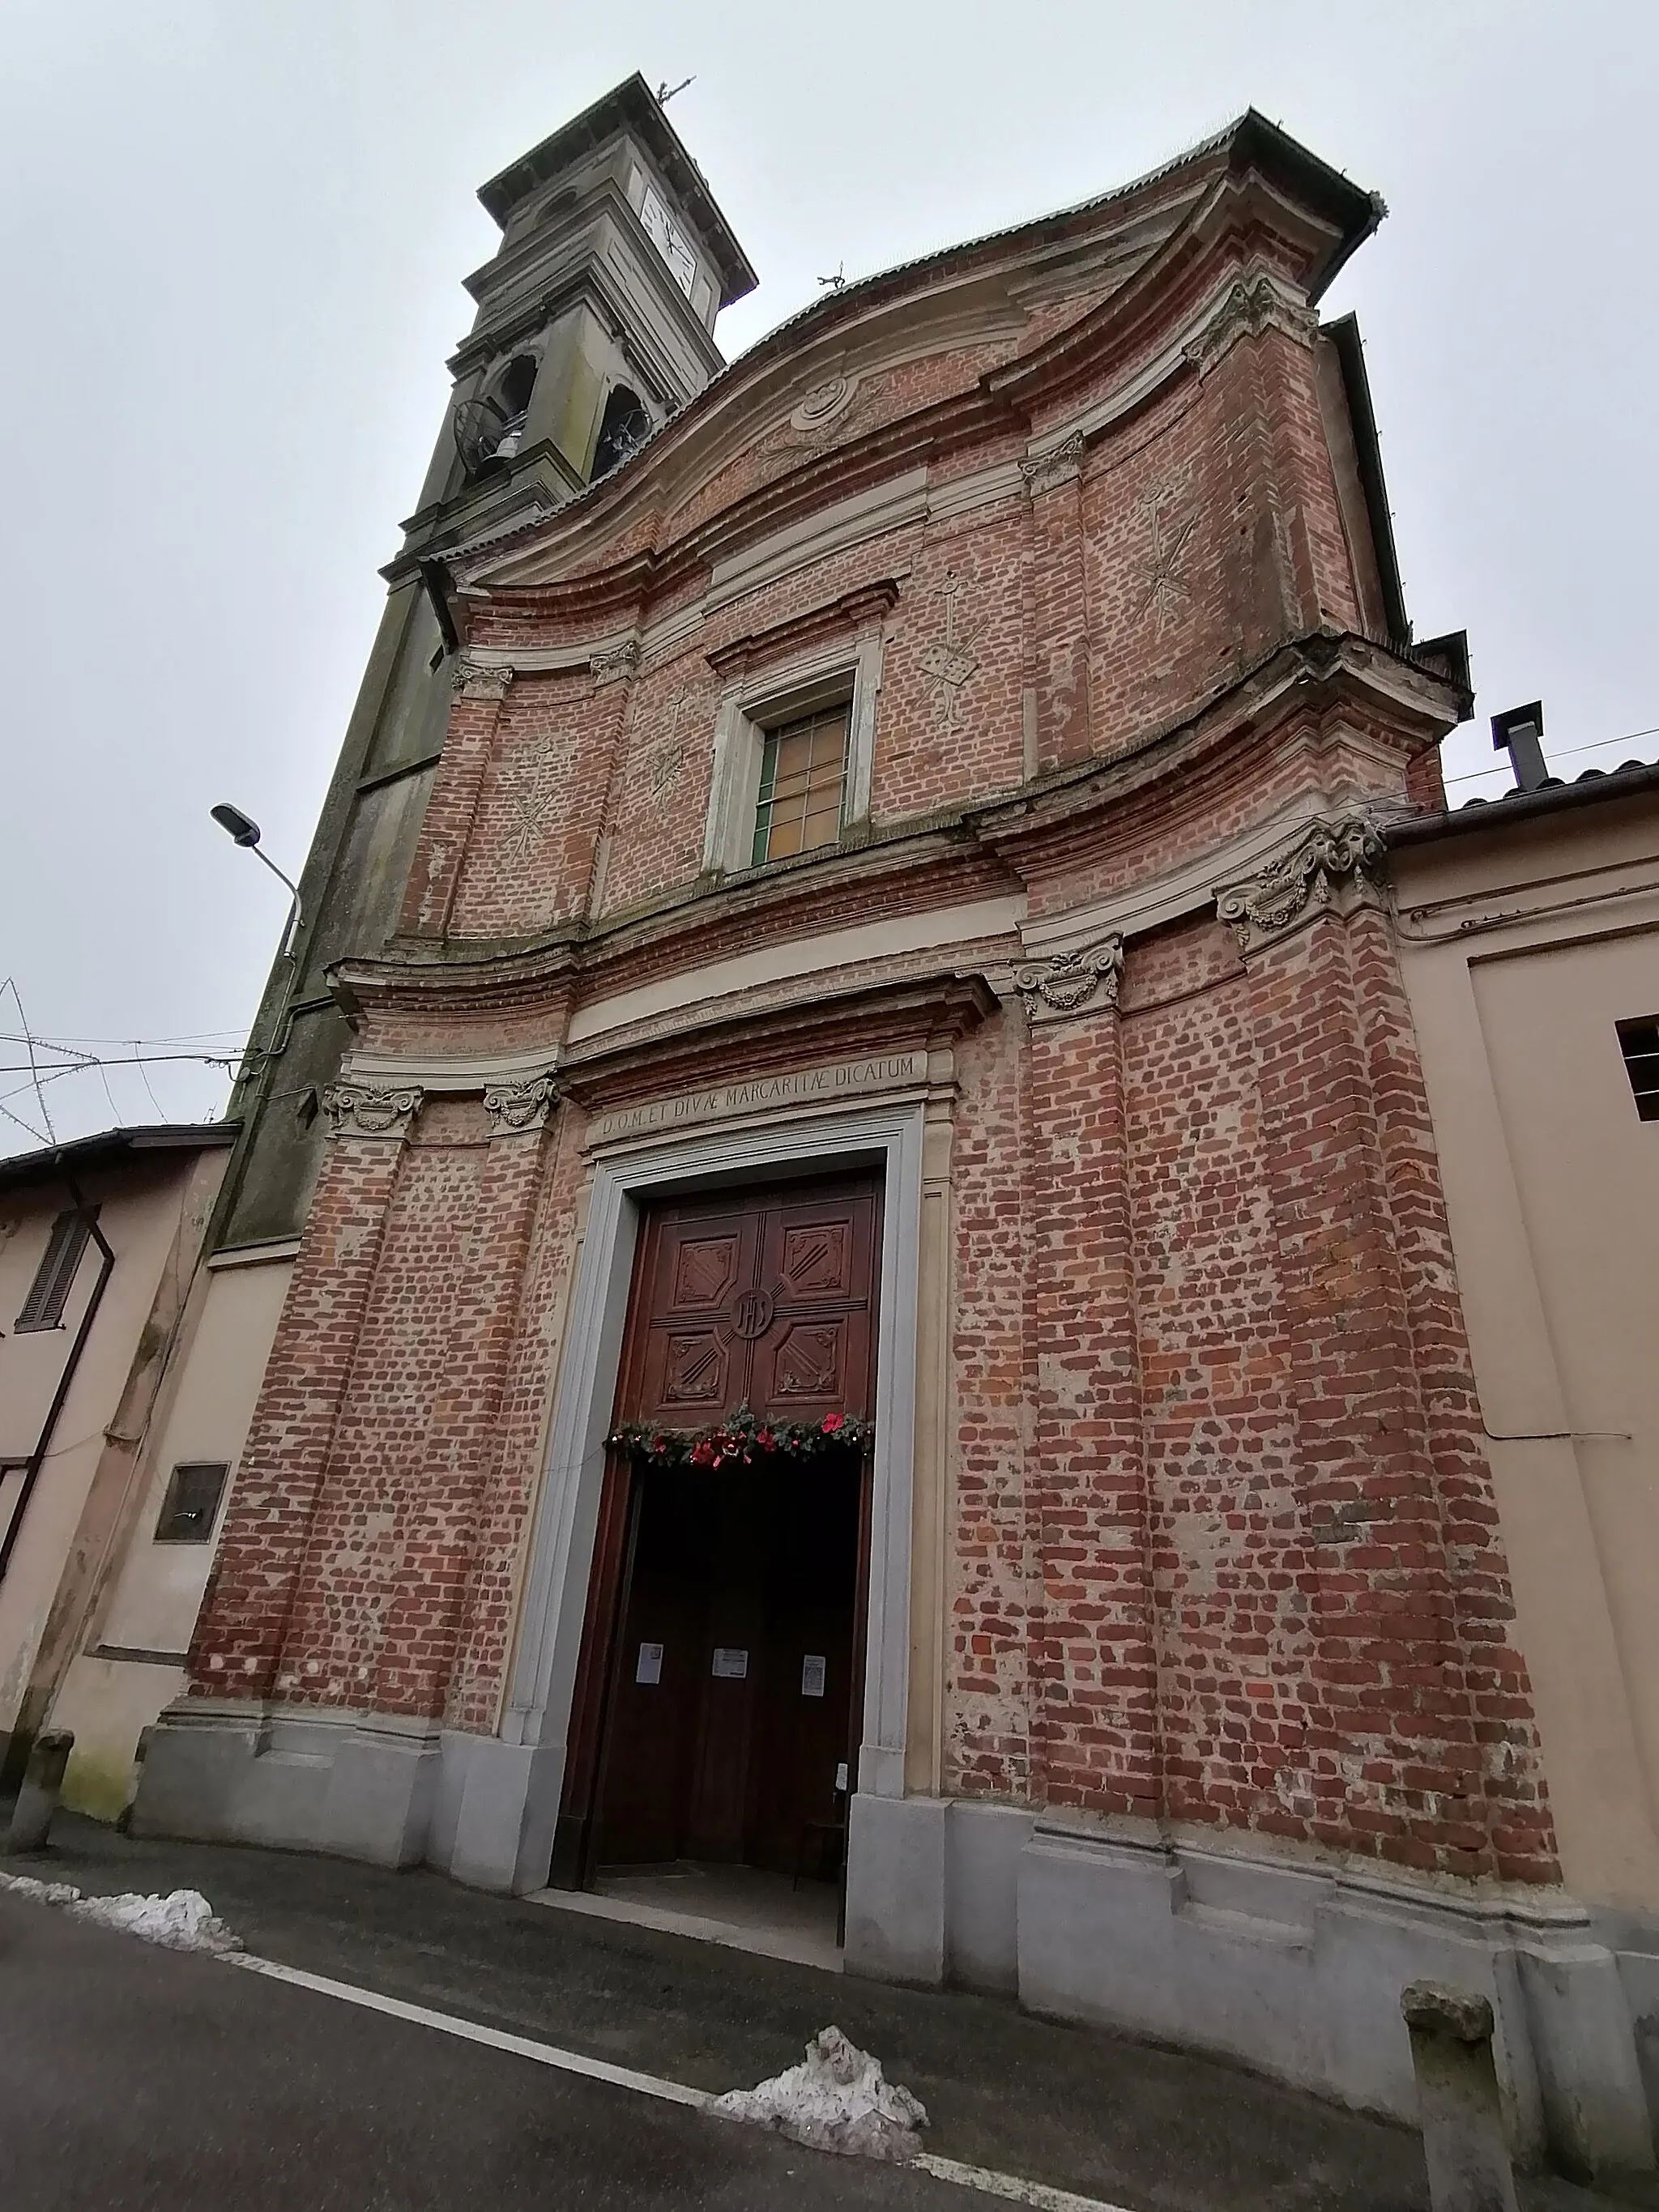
{"x": 43, "y": 1892}
{"x": 182, "y": 1921}
{"x": 837, "y": 2099}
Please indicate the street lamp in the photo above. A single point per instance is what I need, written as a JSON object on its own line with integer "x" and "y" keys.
{"x": 246, "y": 830}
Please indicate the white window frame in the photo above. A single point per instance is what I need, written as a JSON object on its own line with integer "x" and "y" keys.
{"x": 848, "y": 673}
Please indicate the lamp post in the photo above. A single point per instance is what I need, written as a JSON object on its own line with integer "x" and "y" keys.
{"x": 246, "y": 831}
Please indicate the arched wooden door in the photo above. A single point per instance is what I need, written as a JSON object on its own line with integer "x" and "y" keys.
{"x": 722, "y": 1652}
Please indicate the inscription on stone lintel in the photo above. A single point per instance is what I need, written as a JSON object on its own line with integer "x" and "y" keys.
{"x": 800, "y": 1087}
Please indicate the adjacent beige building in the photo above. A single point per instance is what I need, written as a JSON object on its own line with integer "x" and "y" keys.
{"x": 99, "y": 1243}
{"x": 1529, "y": 938}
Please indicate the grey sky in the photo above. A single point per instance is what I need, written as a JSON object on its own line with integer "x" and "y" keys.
{"x": 232, "y": 237}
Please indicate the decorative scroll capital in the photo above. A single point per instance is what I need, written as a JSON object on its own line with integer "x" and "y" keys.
{"x": 1328, "y": 871}
{"x": 608, "y": 667}
{"x": 513, "y": 1108}
{"x": 1071, "y": 982}
{"x": 1249, "y": 306}
{"x": 1043, "y": 471}
{"x": 480, "y": 679}
{"x": 358, "y": 1109}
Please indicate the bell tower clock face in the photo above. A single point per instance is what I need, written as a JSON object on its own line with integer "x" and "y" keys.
{"x": 670, "y": 241}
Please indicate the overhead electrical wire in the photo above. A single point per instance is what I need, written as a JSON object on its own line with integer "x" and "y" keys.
{"x": 1570, "y": 752}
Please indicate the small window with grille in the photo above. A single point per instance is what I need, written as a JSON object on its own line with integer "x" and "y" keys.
{"x": 192, "y": 1504}
{"x": 803, "y": 784}
{"x": 1639, "y": 1040}
{"x": 54, "y": 1277}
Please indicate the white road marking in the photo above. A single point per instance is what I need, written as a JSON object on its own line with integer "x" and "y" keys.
{"x": 987, "y": 2182}
{"x": 1011, "y": 2186}
{"x": 545, "y": 2054}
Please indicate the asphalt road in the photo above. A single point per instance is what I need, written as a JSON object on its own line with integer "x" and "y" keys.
{"x": 133, "y": 2078}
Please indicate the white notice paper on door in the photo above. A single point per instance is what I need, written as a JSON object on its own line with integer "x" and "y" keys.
{"x": 730, "y": 1665}
{"x": 813, "y": 1668}
{"x": 647, "y": 1667}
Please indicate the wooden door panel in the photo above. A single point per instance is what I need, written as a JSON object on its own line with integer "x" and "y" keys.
{"x": 816, "y": 1260}
{"x": 688, "y": 1375}
{"x": 705, "y": 1271}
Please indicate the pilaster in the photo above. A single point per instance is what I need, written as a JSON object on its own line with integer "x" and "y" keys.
{"x": 1053, "y": 485}
{"x": 441, "y": 1532}
{"x": 447, "y": 831}
{"x": 1094, "y": 1655}
{"x": 241, "y": 1631}
{"x": 1392, "y": 1767}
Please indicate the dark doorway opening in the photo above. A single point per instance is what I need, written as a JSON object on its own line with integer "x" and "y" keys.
{"x": 728, "y": 1738}
{"x": 715, "y": 1720}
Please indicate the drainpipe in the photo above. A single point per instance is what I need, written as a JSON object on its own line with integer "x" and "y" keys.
{"x": 37, "y": 1458}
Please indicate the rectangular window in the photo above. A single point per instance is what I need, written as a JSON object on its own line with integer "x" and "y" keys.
{"x": 192, "y": 1504}
{"x": 1639, "y": 1040}
{"x": 803, "y": 783}
{"x": 54, "y": 1279}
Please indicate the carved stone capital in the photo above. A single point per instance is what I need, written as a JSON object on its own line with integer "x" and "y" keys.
{"x": 513, "y": 1108}
{"x": 1251, "y": 305}
{"x": 1330, "y": 869}
{"x": 1071, "y": 982}
{"x": 478, "y": 679}
{"x": 358, "y": 1109}
{"x": 1043, "y": 471}
{"x": 609, "y": 667}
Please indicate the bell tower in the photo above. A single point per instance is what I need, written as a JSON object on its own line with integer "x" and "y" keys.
{"x": 595, "y": 316}
{"x": 595, "y": 323}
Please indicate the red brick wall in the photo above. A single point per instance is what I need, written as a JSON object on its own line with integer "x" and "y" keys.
{"x": 1229, "y": 1553}
{"x": 1188, "y": 539}
{"x": 1223, "y": 1543}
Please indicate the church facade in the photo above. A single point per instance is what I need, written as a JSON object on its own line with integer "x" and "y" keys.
{"x": 877, "y": 1277}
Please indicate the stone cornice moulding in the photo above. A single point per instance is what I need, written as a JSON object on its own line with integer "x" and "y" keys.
{"x": 929, "y": 1010}
{"x": 1315, "y": 675}
{"x": 792, "y": 962}
{"x": 454, "y": 1077}
{"x": 1331, "y": 869}
{"x": 1178, "y": 353}
{"x": 1083, "y": 982}
{"x": 1179, "y": 893}
{"x": 517, "y": 1108}
{"x": 843, "y": 617}
{"x": 361, "y": 1109}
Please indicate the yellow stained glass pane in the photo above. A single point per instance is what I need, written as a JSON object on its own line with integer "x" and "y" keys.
{"x": 807, "y": 767}
{"x": 795, "y": 752}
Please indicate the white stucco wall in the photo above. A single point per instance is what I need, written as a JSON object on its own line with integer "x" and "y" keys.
{"x": 140, "y": 1211}
{"x": 1522, "y": 949}
{"x": 155, "y": 1590}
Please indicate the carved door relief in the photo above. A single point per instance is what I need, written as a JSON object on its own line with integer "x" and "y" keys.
{"x": 722, "y": 1667}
